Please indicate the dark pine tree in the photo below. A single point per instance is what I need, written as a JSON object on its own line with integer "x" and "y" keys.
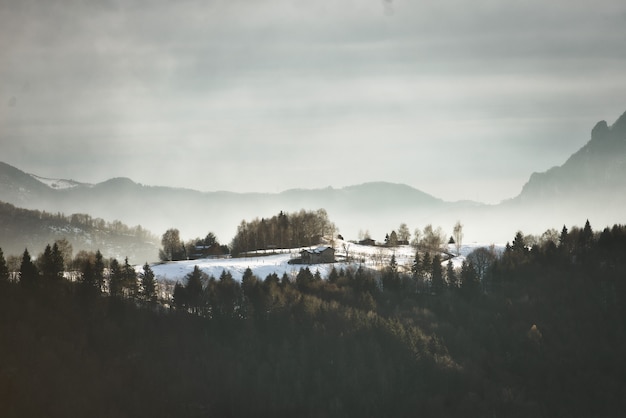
{"x": 437, "y": 280}
{"x": 116, "y": 279}
{"x": 88, "y": 276}
{"x": 391, "y": 277}
{"x": 29, "y": 275}
{"x": 193, "y": 289}
{"x": 304, "y": 279}
{"x": 98, "y": 271}
{"x": 47, "y": 265}
{"x": 58, "y": 261}
{"x": 564, "y": 241}
{"x": 416, "y": 266}
{"x": 148, "y": 284}
{"x": 453, "y": 281}
{"x": 129, "y": 280}
{"x": 4, "y": 269}
{"x": 180, "y": 297}
{"x": 228, "y": 294}
{"x": 470, "y": 282}
{"x": 585, "y": 239}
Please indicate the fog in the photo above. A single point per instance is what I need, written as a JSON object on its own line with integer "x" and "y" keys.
{"x": 460, "y": 100}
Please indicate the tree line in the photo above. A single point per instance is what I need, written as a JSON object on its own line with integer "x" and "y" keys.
{"x": 34, "y": 228}
{"x": 94, "y": 274}
{"x": 537, "y": 330}
{"x": 285, "y": 230}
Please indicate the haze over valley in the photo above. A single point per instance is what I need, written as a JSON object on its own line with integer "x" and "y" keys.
{"x": 330, "y": 208}
{"x": 589, "y": 185}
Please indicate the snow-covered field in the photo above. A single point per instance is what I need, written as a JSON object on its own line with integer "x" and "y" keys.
{"x": 273, "y": 262}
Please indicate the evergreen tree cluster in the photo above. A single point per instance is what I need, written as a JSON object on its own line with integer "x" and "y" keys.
{"x": 536, "y": 331}
{"x": 90, "y": 271}
{"x": 34, "y": 228}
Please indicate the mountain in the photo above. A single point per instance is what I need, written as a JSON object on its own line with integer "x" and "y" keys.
{"x": 591, "y": 184}
{"x": 597, "y": 169}
{"x": 20, "y": 188}
{"x": 376, "y": 207}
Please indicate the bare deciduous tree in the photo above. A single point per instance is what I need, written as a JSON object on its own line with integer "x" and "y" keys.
{"x": 433, "y": 239}
{"x": 482, "y": 258}
{"x": 403, "y": 233}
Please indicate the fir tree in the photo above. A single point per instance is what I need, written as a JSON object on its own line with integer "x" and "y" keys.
{"x": 88, "y": 276}
{"x": 585, "y": 239}
{"x": 304, "y": 279}
{"x": 228, "y": 295}
{"x": 470, "y": 282}
{"x": 129, "y": 279}
{"x": 179, "y": 296}
{"x": 519, "y": 246}
{"x": 451, "y": 275}
{"x": 29, "y": 275}
{"x": 148, "y": 284}
{"x": 391, "y": 277}
{"x": 193, "y": 289}
{"x": 437, "y": 275}
{"x": 416, "y": 266}
{"x": 333, "y": 276}
{"x": 51, "y": 268}
{"x": 98, "y": 271}
{"x": 116, "y": 279}
{"x": 4, "y": 269}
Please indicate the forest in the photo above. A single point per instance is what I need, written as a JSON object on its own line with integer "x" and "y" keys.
{"x": 535, "y": 331}
{"x": 20, "y": 228}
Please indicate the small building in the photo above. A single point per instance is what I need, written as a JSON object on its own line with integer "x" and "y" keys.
{"x": 318, "y": 255}
{"x": 205, "y": 251}
{"x": 367, "y": 241}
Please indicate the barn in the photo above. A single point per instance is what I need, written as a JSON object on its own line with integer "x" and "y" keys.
{"x": 318, "y": 255}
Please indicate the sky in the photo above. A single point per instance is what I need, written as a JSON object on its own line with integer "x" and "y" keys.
{"x": 462, "y": 100}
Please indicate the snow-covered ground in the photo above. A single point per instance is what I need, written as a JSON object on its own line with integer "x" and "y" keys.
{"x": 264, "y": 265}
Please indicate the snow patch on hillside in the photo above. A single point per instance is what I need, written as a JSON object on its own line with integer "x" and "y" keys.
{"x": 370, "y": 257}
{"x": 58, "y": 184}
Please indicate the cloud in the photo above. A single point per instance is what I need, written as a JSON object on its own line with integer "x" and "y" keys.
{"x": 260, "y": 84}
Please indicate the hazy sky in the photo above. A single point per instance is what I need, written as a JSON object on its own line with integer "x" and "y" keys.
{"x": 463, "y": 100}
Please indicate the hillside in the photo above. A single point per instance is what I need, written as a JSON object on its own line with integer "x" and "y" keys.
{"x": 539, "y": 333}
{"x": 195, "y": 213}
{"x": 20, "y": 228}
{"x": 278, "y": 262}
{"x": 591, "y": 184}
{"x": 598, "y": 169}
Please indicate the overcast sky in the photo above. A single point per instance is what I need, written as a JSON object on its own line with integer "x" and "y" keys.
{"x": 463, "y": 100}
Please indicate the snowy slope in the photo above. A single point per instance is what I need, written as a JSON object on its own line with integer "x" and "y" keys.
{"x": 58, "y": 184}
{"x": 264, "y": 265}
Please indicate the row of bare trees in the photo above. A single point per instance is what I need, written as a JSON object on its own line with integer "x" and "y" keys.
{"x": 298, "y": 229}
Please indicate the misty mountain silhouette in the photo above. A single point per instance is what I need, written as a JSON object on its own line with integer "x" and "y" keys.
{"x": 597, "y": 170}
{"x": 589, "y": 185}
{"x": 195, "y": 213}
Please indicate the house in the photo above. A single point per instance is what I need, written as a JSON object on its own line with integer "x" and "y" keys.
{"x": 205, "y": 251}
{"x": 318, "y": 255}
{"x": 367, "y": 241}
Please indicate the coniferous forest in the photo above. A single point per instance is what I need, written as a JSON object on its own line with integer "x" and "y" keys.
{"x": 539, "y": 331}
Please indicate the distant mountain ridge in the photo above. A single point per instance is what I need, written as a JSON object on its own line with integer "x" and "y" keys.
{"x": 591, "y": 184}
{"x": 598, "y": 168}
{"x": 195, "y": 213}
